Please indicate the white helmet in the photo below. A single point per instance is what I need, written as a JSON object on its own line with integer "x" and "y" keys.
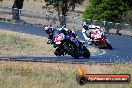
{"x": 91, "y": 26}
{"x": 98, "y": 27}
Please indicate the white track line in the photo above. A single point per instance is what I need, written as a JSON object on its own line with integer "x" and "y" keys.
{"x": 103, "y": 52}
{"x": 96, "y": 53}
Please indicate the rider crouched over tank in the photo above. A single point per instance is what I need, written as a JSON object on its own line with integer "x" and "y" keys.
{"x": 87, "y": 30}
{"x": 95, "y": 35}
{"x": 53, "y": 33}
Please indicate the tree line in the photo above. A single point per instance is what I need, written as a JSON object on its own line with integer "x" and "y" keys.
{"x": 108, "y": 10}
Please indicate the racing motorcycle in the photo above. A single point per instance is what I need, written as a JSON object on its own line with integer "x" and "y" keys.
{"x": 67, "y": 44}
{"x": 99, "y": 39}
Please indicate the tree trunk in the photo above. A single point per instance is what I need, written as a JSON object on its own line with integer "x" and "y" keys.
{"x": 15, "y": 14}
{"x": 18, "y": 4}
{"x": 62, "y": 20}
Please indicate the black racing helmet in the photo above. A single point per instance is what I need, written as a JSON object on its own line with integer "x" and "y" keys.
{"x": 49, "y": 29}
{"x": 85, "y": 27}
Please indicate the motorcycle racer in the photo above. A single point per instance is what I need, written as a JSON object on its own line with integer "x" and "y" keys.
{"x": 97, "y": 33}
{"x": 66, "y": 42}
{"x": 86, "y": 31}
{"x": 100, "y": 39}
{"x": 67, "y": 31}
{"x": 53, "y": 32}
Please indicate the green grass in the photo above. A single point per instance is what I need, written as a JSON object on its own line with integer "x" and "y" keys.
{"x": 40, "y": 75}
{"x": 13, "y": 43}
{"x": 10, "y": 44}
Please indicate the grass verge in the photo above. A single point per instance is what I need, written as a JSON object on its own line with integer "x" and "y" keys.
{"x": 44, "y": 75}
{"x": 13, "y": 43}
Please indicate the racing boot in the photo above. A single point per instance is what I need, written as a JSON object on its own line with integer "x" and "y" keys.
{"x": 58, "y": 52}
{"x": 90, "y": 42}
{"x": 49, "y": 41}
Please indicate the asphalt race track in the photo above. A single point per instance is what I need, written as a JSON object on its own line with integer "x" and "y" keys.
{"x": 122, "y": 47}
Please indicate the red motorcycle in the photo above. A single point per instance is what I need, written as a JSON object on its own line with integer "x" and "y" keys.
{"x": 99, "y": 39}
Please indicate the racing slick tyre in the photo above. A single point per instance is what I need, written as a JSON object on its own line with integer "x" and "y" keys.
{"x": 75, "y": 55}
{"x": 86, "y": 53}
{"x": 105, "y": 46}
{"x": 109, "y": 46}
{"x": 71, "y": 48}
{"x": 102, "y": 47}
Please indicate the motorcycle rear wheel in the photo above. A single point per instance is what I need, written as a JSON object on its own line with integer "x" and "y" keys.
{"x": 109, "y": 46}
{"x": 86, "y": 53}
{"x": 105, "y": 46}
{"x": 75, "y": 55}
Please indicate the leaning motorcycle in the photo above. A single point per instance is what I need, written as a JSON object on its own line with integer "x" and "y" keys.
{"x": 99, "y": 39}
{"x": 71, "y": 46}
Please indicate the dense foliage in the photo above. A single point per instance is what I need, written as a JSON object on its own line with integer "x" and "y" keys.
{"x": 110, "y": 10}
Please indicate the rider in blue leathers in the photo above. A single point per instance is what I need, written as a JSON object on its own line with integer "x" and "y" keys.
{"x": 53, "y": 32}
